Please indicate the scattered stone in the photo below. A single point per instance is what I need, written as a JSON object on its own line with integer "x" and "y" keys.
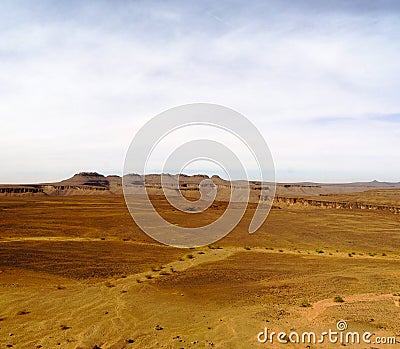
{"x": 11, "y": 334}
{"x": 158, "y": 328}
{"x": 23, "y": 312}
{"x": 96, "y": 347}
{"x": 9, "y": 345}
{"x": 130, "y": 341}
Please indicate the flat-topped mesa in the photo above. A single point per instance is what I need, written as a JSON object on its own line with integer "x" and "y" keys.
{"x": 87, "y": 179}
{"x": 94, "y": 183}
{"x": 174, "y": 181}
{"x": 89, "y": 174}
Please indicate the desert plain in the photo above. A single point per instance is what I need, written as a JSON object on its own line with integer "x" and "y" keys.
{"x": 77, "y": 272}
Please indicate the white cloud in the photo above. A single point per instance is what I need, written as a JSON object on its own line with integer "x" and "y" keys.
{"x": 75, "y": 87}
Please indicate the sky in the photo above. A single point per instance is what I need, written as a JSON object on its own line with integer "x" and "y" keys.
{"x": 319, "y": 79}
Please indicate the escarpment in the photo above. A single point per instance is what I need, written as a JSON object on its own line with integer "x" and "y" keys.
{"x": 304, "y": 194}
{"x": 352, "y": 205}
{"x": 10, "y": 190}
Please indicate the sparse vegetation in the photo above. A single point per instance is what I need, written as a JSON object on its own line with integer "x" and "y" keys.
{"x": 212, "y": 247}
{"x": 305, "y": 303}
{"x": 190, "y": 256}
{"x": 338, "y": 299}
{"x": 318, "y": 250}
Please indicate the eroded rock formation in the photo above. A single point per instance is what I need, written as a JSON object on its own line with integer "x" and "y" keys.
{"x": 335, "y": 204}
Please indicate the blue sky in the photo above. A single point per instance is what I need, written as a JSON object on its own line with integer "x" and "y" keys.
{"x": 320, "y": 80}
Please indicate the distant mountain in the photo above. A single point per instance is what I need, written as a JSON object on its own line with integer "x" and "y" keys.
{"x": 90, "y": 179}
{"x": 93, "y": 183}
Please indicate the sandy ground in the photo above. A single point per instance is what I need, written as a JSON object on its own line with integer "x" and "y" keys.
{"x": 74, "y": 273}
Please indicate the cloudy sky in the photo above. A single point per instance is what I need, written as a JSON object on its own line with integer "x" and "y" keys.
{"x": 319, "y": 79}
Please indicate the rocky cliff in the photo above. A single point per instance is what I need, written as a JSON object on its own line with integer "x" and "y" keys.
{"x": 93, "y": 183}
{"x": 291, "y": 201}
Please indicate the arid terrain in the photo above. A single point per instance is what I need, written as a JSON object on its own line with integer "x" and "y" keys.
{"x": 76, "y": 272}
